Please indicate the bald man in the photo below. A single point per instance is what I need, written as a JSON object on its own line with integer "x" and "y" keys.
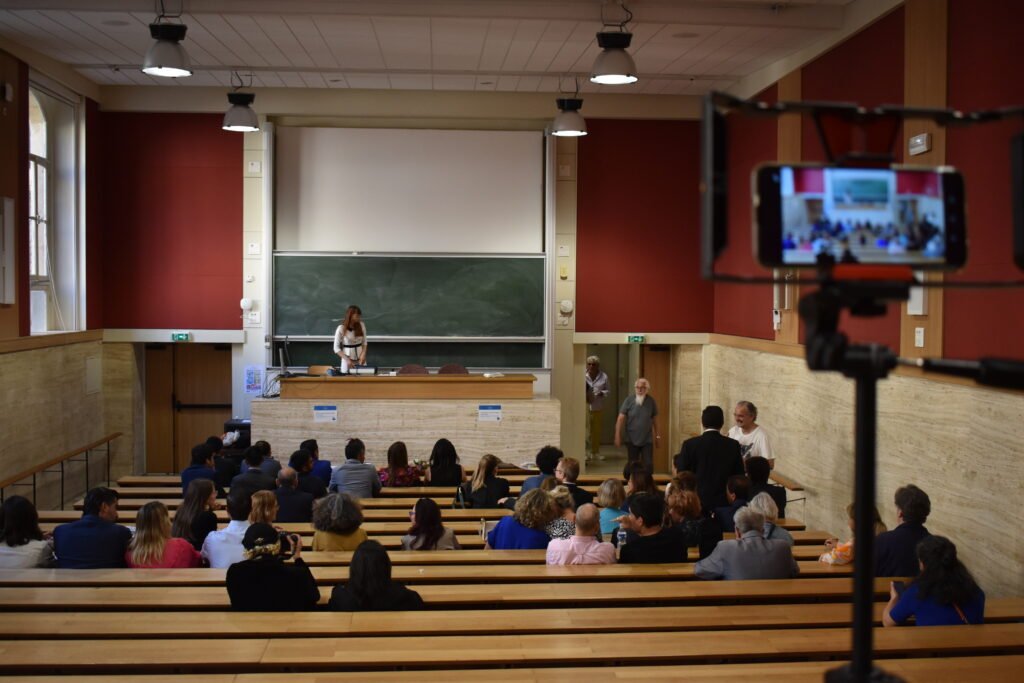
{"x": 583, "y": 548}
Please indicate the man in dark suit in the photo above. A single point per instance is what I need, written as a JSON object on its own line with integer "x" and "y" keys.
{"x": 96, "y": 541}
{"x": 759, "y": 469}
{"x": 201, "y": 468}
{"x": 293, "y": 505}
{"x": 302, "y": 462}
{"x": 896, "y": 550}
{"x": 253, "y": 479}
{"x": 712, "y": 458}
{"x": 566, "y": 472}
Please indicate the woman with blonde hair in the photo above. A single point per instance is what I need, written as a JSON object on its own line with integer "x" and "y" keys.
{"x": 485, "y": 489}
{"x": 152, "y": 546}
{"x": 610, "y": 497}
{"x": 524, "y": 530}
{"x": 765, "y": 504}
{"x": 564, "y": 524}
{"x": 264, "y": 508}
{"x": 842, "y": 553}
{"x": 336, "y": 520}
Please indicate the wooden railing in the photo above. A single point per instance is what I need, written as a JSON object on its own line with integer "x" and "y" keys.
{"x": 59, "y": 462}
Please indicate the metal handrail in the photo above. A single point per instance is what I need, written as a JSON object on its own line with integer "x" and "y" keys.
{"x": 60, "y": 461}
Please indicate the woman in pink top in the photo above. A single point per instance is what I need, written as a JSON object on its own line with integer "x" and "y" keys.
{"x": 152, "y": 546}
{"x": 583, "y": 548}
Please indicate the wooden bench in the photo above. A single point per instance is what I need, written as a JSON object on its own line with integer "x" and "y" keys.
{"x": 226, "y": 624}
{"x": 585, "y": 480}
{"x": 412, "y": 574}
{"x": 482, "y": 596}
{"x": 130, "y": 509}
{"x": 517, "y": 650}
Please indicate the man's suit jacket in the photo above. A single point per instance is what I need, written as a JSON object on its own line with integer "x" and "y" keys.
{"x": 712, "y": 458}
{"x": 749, "y": 557}
{"x": 90, "y": 543}
{"x": 293, "y": 505}
{"x": 777, "y": 493}
{"x": 579, "y": 496}
{"x": 312, "y": 484}
{"x": 252, "y": 481}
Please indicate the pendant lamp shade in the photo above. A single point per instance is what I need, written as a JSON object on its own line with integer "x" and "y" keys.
{"x": 614, "y": 66}
{"x": 240, "y": 118}
{"x": 166, "y": 57}
{"x": 569, "y": 122}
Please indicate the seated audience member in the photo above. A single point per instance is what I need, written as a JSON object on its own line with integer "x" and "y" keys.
{"x": 758, "y": 471}
{"x": 583, "y": 546}
{"x": 225, "y": 467}
{"x": 648, "y": 541}
{"x": 153, "y": 547}
{"x": 712, "y": 457}
{"x": 547, "y": 460}
{"x": 683, "y": 481}
{"x": 566, "y": 472}
{"x": 896, "y": 550}
{"x": 302, "y": 462}
{"x": 369, "y": 587}
{"x": 96, "y": 541}
{"x": 443, "y": 468}
{"x": 610, "y": 496}
{"x": 252, "y": 479}
{"x": 263, "y": 581}
{"x": 683, "y": 511}
{"x": 268, "y": 463}
{"x": 321, "y": 468}
{"x": 224, "y": 547}
{"x": 943, "y": 594}
{"x": 336, "y": 522}
{"x": 398, "y": 472}
{"x": 485, "y": 489}
{"x": 564, "y": 523}
{"x": 201, "y": 468}
{"x": 737, "y": 491}
{"x": 427, "y": 532}
{"x": 293, "y": 505}
{"x": 750, "y": 555}
{"x": 842, "y": 553}
{"x": 764, "y": 504}
{"x": 23, "y": 544}
{"x": 639, "y": 480}
{"x": 264, "y": 508}
{"x": 355, "y": 477}
{"x": 195, "y": 517}
{"x": 524, "y": 530}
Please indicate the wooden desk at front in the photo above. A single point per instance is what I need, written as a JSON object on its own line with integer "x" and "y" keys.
{"x": 410, "y": 387}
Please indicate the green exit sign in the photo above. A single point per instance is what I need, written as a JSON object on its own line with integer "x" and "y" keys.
{"x": 635, "y": 339}
{"x": 181, "y": 336}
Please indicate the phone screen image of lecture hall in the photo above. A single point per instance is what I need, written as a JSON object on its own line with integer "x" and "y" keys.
{"x": 875, "y": 216}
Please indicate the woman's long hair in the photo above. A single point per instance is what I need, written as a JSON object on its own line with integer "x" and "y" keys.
{"x": 192, "y": 505}
{"x": 427, "y": 526}
{"x": 152, "y": 531}
{"x": 20, "y": 521}
{"x": 485, "y": 469}
{"x": 443, "y": 456}
{"x": 264, "y": 508}
{"x": 369, "y": 574}
{"x": 943, "y": 578}
{"x": 346, "y": 324}
{"x": 398, "y": 459}
{"x": 641, "y": 479}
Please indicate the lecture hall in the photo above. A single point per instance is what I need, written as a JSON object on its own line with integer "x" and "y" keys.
{"x": 511, "y": 340}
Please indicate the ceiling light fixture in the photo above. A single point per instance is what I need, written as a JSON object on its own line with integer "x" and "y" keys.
{"x": 569, "y": 123}
{"x": 614, "y": 66}
{"x": 166, "y": 57}
{"x": 240, "y": 117}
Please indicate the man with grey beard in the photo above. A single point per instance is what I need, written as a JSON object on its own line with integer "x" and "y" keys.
{"x": 638, "y": 417}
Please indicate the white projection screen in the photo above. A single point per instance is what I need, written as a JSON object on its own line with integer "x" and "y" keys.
{"x": 400, "y": 190}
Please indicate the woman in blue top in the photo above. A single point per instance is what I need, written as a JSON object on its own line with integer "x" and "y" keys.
{"x": 944, "y": 594}
{"x": 524, "y": 530}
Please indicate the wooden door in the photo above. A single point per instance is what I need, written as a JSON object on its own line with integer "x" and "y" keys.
{"x": 656, "y": 366}
{"x": 159, "y": 408}
{"x": 202, "y": 396}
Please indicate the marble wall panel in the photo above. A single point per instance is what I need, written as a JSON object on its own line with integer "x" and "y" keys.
{"x": 525, "y": 427}
{"x": 953, "y": 441}
{"x": 686, "y": 393}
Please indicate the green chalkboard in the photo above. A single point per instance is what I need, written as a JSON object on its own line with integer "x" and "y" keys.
{"x": 444, "y": 296}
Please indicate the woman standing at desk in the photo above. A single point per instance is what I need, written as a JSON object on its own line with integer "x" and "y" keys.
{"x": 350, "y": 339}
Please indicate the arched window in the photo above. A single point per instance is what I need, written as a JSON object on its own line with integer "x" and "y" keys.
{"x": 38, "y": 195}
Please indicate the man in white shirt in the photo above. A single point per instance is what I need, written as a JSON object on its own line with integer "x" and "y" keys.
{"x": 223, "y": 548}
{"x": 753, "y": 438}
{"x": 597, "y": 389}
{"x": 583, "y": 548}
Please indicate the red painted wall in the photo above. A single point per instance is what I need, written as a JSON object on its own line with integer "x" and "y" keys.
{"x": 638, "y": 229}
{"x": 984, "y": 72}
{"x": 866, "y": 69}
{"x": 745, "y": 310}
{"x": 171, "y": 224}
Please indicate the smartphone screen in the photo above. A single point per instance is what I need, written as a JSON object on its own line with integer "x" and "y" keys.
{"x": 871, "y": 216}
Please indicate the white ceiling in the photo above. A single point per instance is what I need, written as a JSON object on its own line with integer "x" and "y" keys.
{"x": 682, "y": 47}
